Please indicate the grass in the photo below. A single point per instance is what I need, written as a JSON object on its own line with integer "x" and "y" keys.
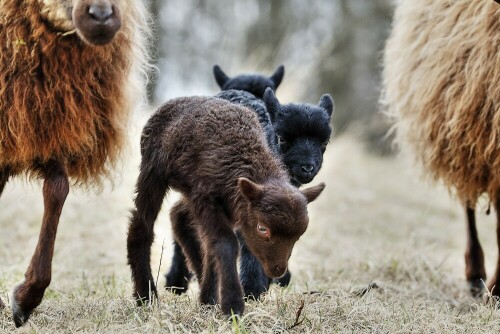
{"x": 383, "y": 254}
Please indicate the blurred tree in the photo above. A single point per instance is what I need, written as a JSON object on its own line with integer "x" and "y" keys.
{"x": 327, "y": 46}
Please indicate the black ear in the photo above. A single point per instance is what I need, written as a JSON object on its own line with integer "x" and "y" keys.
{"x": 326, "y": 102}
{"x": 312, "y": 193}
{"x": 220, "y": 76}
{"x": 278, "y": 76}
{"x": 272, "y": 104}
{"x": 250, "y": 190}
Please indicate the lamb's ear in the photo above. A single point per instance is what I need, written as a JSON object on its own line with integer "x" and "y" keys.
{"x": 272, "y": 103}
{"x": 220, "y": 76}
{"x": 252, "y": 191}
{"x": 277, "y": 76}
{"x": 312, "y": 193}
{"x": 326, "y": 102}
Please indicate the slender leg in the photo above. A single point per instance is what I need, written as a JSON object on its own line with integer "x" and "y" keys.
{"x": 29, "y": 294}
{"x": 150, "y": 192}
{"x": 5, "y": 173}
{"x": 4, "y": 177}
{"x": 220, "y": 254}
{"x": 186, "y": 243}
{"x": 252, "y": 275}
{"x": 474, "y": 258}
{"x": 494, "y": 284}
{"x": 177, "y": 278}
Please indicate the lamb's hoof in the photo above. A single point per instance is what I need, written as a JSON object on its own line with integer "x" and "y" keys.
{"x": 175, "y": 285}
{"x": 2, "y": 305}
{"x": 20, "y": 317}
{"x": 476, "y": 287}
{"x": 236, "y": 309}
{"x": 284, "y": 280}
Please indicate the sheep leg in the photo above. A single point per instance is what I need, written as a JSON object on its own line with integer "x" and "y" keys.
{"x": 178, "y": 277}
{"x": 29, "y": 294}
{"x": 252, "y": 275}
{"x": 5, "y": 173}
{"x": 474, "y": 258}
{"x": 186, "y": 242}
{"x": 220, "y": 255}
{"x": 150, "y": 192}
{"x": 494, "y": 284}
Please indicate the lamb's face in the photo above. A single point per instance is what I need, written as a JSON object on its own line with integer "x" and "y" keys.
{"x": 275, "y": 220}
{"x": 95, "y": 21}
{"x": 302, "y": 131}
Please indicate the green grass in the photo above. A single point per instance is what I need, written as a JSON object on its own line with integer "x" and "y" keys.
{"x": 383, "y": 254}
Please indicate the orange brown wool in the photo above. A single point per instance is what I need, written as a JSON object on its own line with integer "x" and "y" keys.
{"x": 60, "y": 98}
{"x": 442, "y": 88}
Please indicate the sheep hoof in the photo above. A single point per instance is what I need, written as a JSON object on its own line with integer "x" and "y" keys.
{"x": 284, "y": 280}
{"x": 476, "y": 287}
{"x": 176, "y": 285}
{"x": 20, "y": 317}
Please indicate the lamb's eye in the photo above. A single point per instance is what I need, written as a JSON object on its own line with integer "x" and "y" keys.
{"x": 283, "y": 144}
{"x": 263, "y": 231}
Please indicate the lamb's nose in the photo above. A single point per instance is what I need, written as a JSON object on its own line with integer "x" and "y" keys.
{"x": 308, "y": 169}
{"x": 101, "y": 13}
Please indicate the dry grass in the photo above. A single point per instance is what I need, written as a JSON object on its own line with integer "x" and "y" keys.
{"x": 376, "y": 222}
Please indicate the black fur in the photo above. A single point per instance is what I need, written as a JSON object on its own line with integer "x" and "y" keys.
{"x": 298, "y": 133}
{"x": 252, "y": 83}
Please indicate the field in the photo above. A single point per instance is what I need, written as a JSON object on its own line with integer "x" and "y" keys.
{"x": 383, "y": 254}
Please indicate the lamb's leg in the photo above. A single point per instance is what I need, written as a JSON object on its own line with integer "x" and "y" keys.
{"x": 474, "y": 258}
{"x": 186, "y": 243}
{"x": 252, "y": 275}
{"x": 220, "y": 248}
{"x": 29, "y": 294}
{"x": 4, "y": 177}
{"x": 177, "y": 278}
{"x": 150, "y": 191}
{"x": 494, "y": 284}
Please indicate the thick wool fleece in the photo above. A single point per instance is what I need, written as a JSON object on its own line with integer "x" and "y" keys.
{"x": 442, "y": 89}
{"x": 61, "y": 98}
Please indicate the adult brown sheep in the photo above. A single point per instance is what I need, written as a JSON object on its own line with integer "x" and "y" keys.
{"x": 442, "y": 88}
{"x": 70, "y": 72}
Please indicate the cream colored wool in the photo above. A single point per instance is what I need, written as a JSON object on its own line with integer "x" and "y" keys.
{"x": 441, "y": 83}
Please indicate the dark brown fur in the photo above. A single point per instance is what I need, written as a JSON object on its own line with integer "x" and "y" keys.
{"x": 64, "y": 104}
{"x": 216, "y": 155}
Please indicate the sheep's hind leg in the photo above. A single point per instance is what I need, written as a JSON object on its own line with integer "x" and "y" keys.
{"x": 150, "y": 192}
{"x": 474, "y": 258}
{"x": 4, "y": 177}
{"x": 494, "y": 283}
{"x": 186, "y": 243}
{"x": 178, "y": 276}
{"x": 29, "y": 294}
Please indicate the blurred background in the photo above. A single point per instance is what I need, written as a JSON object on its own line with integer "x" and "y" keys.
{"x": 327, "y": 46}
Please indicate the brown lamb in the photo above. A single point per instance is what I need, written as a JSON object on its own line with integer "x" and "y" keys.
{"x": 215, "y": 153}
{"x": 442, "y": 89}
{"x": 70, "y": 73}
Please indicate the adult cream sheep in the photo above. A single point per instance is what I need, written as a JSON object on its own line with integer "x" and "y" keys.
{"x": 442, "y": 88}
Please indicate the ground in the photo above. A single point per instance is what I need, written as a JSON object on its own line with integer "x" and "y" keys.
{"x": 383, "y": 254}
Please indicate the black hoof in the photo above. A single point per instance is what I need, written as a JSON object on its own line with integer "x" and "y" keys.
{"x": 20, "y": 317}
{"x": 284, "y": 280}
{"x": 177, "y": 284}
{"x": 476, "y": 287}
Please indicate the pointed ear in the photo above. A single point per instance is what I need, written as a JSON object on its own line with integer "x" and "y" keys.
{"x": 220, "y": 76}
{"x": 312, "y": 193}
{"x": 252, "y": 191}
{"x": 272, "y": 104}
{"x": 326, "y": 102}
{"x": 278, "y": 76}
